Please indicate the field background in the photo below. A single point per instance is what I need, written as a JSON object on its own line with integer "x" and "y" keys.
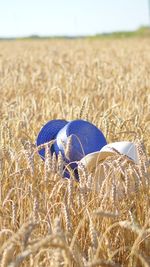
{"x": 44, "y": 219}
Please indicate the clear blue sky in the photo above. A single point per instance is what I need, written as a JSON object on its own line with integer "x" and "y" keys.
{"x": 70, "y": 17}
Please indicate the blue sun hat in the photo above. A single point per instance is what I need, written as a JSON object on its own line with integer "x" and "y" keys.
{"x": 85, "y": 138}
{"x": 48, "y": 133}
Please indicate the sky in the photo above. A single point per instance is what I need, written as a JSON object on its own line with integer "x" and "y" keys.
{"x": 70, "y": 17}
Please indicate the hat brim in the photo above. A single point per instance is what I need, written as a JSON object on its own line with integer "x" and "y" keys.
{"x": 47, "y": 133}
{"x": 91, "y": 160}
{"x": 126, "y": 148}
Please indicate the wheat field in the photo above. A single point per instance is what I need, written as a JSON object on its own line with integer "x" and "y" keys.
{"x": 46, "y": 220}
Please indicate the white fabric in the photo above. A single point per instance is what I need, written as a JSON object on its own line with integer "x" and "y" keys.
{"x": 126, "y": 148}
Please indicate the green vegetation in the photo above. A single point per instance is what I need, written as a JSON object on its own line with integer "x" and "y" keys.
{"x": 143, "y": 31}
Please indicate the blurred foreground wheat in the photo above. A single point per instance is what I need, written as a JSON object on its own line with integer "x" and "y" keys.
{"x": 46, "y": 220}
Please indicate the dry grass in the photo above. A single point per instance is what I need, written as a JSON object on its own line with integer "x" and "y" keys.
{"x": 49, "y": 221}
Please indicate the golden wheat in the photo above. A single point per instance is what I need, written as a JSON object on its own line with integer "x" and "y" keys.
{"x": 46, "y": 220}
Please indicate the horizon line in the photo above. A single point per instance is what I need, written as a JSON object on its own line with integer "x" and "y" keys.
{"x": 73, "y": 36}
